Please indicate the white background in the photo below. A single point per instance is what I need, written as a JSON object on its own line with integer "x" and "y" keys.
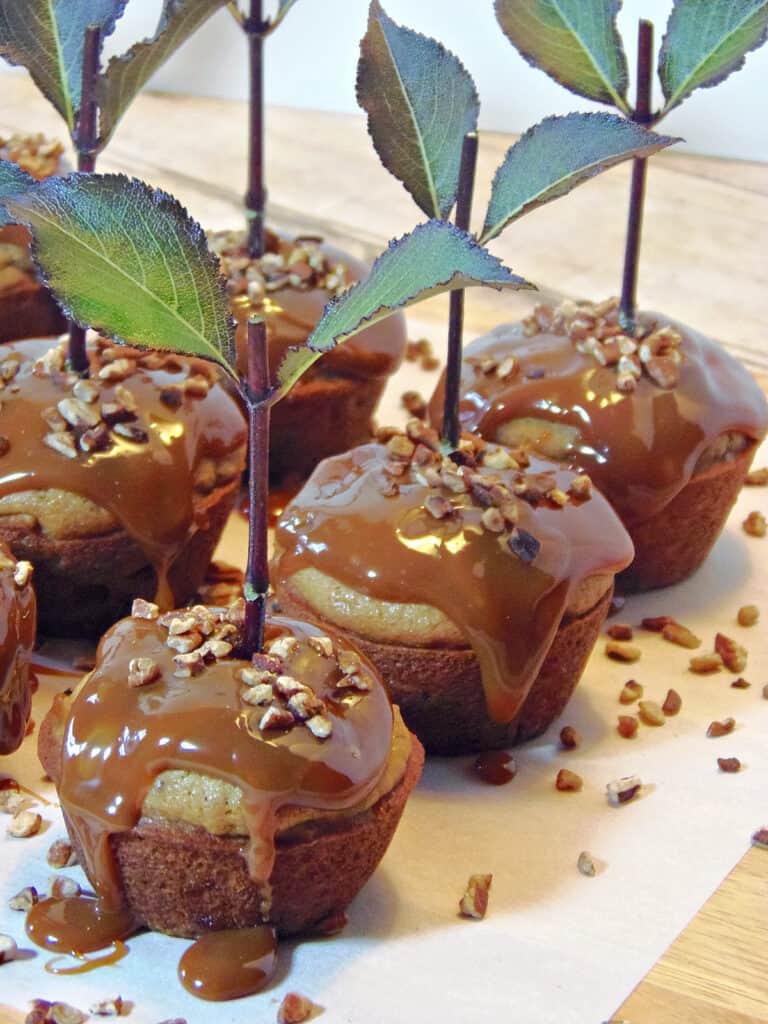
{"x": 311, "y": 63}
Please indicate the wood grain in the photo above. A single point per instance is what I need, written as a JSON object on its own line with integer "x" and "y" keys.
{"x": 703, "y": 262}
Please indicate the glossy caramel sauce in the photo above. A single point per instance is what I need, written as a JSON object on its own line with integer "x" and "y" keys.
{"x": 119, "y": 738}
{"x": 639, "y": 448}
{"x": 390, "y": 548}
{"x": 229, "y": 965}
{"x": 147, "y": 487}
{"x": 17, "y": 639}
{"x": 77, "y": 925}
{"x": 495, "y": 767}
{"x": 295, "y": 301}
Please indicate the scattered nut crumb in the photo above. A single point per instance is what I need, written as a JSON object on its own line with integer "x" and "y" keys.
{"x": 474, "y": 902}
{"x": 755, "y": 524}
{"x": 757, "y": 477}
{"x": 675, "y": 633}
{"x": 568, "y": 781}
{"x": 107, "y": 1007}
{"x": 656, "y": 623}
{"x": 672, "y": 703}
{"x": 734, "y": 655}
{"x": 60, "y": 854}
{"x": 8, "y": 949}
{"x": 586, "y": 865}
{"x": 620, "y": 631}
{"x": 627, "y": 726}
{"x": 569, "y": 738}
{"x": 705, "y": 664}
{"x": 414, "y": 404}
{"x": 24, "y": 899}
{"x": 748, "y": 615}
{"x": 24, "y": 824}
{"x": 622, "y": 652}
{"x": 760, "y": 838}
{"x": 723, "y": 728}
{"x": 631, "y": 692}
{"x": 294, "y": 1009}
{"x": 61, "y": 887}
{"x": 740, "y": 684}
{"x": 729, "y": 764}
{"x": 621, "y": 791}
{"x": 651, "y": 713}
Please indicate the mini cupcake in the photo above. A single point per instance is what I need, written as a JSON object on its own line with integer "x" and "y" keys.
{"x": 235, "y": 793}
{"x": 115, "y": 486}
{"x": 26, "y": 308}
{"x": 665, "y": 422}
{"x": 330, "y": 409}
{"x": 477, "y": 584}
{"x": 17, "y": 615}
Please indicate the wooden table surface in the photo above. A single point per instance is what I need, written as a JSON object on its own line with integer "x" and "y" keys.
{"x": 704, "y": 262}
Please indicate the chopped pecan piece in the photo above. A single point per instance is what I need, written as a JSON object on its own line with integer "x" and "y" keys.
{"x": 680, "y": 635}
{"x": 672, "y": 703}
{"x": 627, "y": 726}
{"x": 586, "y": 864}
{"x": 705, "y": 664}
{"x": 61, "y": 887}
{"x": 757, "y": 477}
{"x": 61, "y": 854}
{"x": 24, "y": 899}
{"x": 631, "y": 692}
{"x": 622, "y": 652}
{"x": 748, "y": 615}
{"x": 729, "y": 764}
{"x": 734, "y": 655}
{"x": 621, "y": 791}
{"x": 740, "y": 684}
{"x": 143, "y": 671}
{"x": 524, "y": 545}
{"x": 723, "y": 728}
{"x": 569, "y": 738}
{"x": 320, "y": 726}
{"x": 568, "y": 781}
{"x": 620, "y": 631}
{"x": 474, "y": 902}
{"x": 656, "y": 624}
{"x": 144, "y": 609}
{"x": 650, "y": 713}
{"x": 8, "y": 949}
{"x": 24, "y": 824}
{"x": 294, "y": 1009}
{"x": 276, "y": 718}
{"x": 755, "y": 524}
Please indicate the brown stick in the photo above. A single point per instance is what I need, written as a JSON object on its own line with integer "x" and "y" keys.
{"x": 642, "y": 115}
{"x": 451, "y": 426}
{"x": 256, "y": 196}
{"x": 86, "y": 143}
{"x": 257, "y": 567}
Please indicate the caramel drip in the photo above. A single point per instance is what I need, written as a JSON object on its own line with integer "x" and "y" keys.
{"x": 17, "y": 639}
{"x": 391, "y": 549}
{"x": 87, "y": 964}
{"x": 495, "y": 767}
{"x": 292, "y": 313}
{"x": 147, "y": 487}
{"x": 118, "y": 739}
{"x": 641, "y": 448}
{"x": 229, "y": 965}
{"x": 77, "y": 925}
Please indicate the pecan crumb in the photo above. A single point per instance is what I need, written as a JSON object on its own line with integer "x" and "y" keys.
{"x": 474, "y": 902}
{"x": 24, "y": 899}
{"x": 621, "y": 791}
{"x": 748, "y": 615}
{"x": 619, "y": 651}
{"x": 656, "y": 623}
{"x": 760, "y": 838}
{"x": 569, "y": 738}
{"x": 107, "y": 1007}
{"x": 414, "y": 404}
{"x": 755, "y": 524}
{"x": 60, "y": 854}
{"x": 144, "y": 609}
{"x": 729, "y": 764}
{"x": 620, "y": 631}
{"x": 24, "y": 824}
{"x": 757, "y": 477}
{"x": 294, "y": 1009}
{"x": 627, "y": 726}
{"x": 8, "y": 949}
{"x": 734, "y": 655}
{"x": 586, "y": 864}
{"x": 740, "y": 684}
{"x": 723, "y": 728}
{"x": 142, "y": 671}
{"x": 631, "y": 691}
{"x": 61, "y": 887}
{"x": 672, "y": 703}
{"x": 675, "y": 633}
{"x": 650, "y": 713}
{"x": 568, "y": 781}
{"x": 705, "y": 664}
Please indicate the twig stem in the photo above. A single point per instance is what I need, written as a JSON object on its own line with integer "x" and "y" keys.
{"x": 642, "y": 115}
{"x": 255, "y": 197}
{"x": 257, "y": 568}
{"x": 451, "y": 426}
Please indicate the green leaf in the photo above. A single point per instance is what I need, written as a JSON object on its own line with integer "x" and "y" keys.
{"x": 128, "y": 74}
{"x": 575, "y": 41}
{"x": 435, "y": 257}
{"x": 557, "y": 155}
{"x": 420, "y": 101}
{"x": 47, "y": 38}
{"x": 129, "y": 261}
{"x": 13, "y": 181}
{"x": 705, "y": 42}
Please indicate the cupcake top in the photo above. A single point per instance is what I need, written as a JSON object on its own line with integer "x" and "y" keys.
{"x": 290, "y": 286}
{"x": 17, "y": 639}
{"x": 184, "y": 729}
{"x": 640, "y": 414}
{"x": 137, "y": 445}
{"x": 499, "y": 545}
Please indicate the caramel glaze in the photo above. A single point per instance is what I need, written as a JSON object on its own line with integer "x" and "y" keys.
{"x": 77, "y": 925}
{"x": 17, "y": 639}
{"x": 118, "y": 739}
{"x": 229, "y": 965}
{"x": 147, "y": 487}
{"x": 292, "y": 313}
{"x": 641, "y": 448}
{"x": 391, "y": 549}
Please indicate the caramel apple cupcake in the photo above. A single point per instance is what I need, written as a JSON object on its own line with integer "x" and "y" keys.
{"x": 330, "y": 409}
{"x": 114, "y": 486}
{"x": 17, "y": 618}
{"x": 26, "y": 307}
{"x": 476, "y": 583}
{"x": 230, "y": 793}
{"x": 665, "y": 422}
